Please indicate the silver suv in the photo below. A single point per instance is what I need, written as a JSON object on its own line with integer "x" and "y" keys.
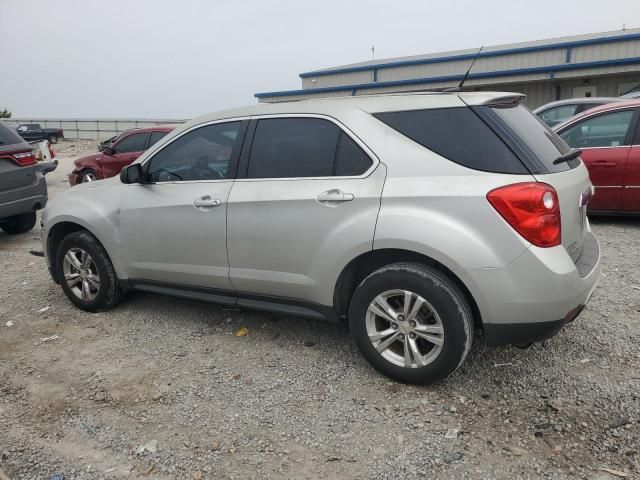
{"x": 420, "y": 218}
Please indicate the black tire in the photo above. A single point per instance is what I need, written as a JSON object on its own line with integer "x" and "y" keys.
{"x": 85, "y": 173}
{"x": 448, "y": 301}
{"x": 109, "y": 292}
{"x": 19, "y": 223}
{"x": 52, "y": 138}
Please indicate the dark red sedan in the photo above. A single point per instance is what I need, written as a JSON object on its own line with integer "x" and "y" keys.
{"x": 124, "y": 149}
{"x": 609, "y": 137}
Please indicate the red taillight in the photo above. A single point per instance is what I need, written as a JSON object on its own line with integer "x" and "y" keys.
{"x": 24, "y": 159}
{"x": 532, "y": 209}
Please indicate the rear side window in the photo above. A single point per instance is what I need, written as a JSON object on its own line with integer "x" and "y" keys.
{"x": 303, "y": 147}
{"x": 132, "y": 143}
{"x": 9, "y": 136}
{"x": 350, "y": 158}
{"x": 457, "y": 134}
{"x": 155, "y": 136}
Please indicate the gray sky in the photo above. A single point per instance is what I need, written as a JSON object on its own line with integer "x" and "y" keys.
{"x": 182, "y": 58}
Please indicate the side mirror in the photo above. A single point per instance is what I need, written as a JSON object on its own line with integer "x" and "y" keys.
{"x": 108, "y": 150}
{"x": 132, "y": 174}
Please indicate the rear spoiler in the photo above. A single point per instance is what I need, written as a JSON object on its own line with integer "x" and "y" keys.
{"x": 491, "y": 99}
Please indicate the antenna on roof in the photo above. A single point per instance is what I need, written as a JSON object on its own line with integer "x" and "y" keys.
{"x": 470, "y": 67}
{"x": 373, "y": 52}
{"x": 464, "y": 79}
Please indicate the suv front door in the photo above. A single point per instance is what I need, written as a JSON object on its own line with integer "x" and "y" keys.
{"x": 174, "y": 224}
{"x": 605, "y": 143}
{"x": 306, "y": 199}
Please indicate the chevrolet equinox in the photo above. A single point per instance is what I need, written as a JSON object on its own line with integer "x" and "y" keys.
{"x": 419, "y": 218}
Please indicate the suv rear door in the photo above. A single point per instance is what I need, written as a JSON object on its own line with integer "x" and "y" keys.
{"x": 306, "y": 199}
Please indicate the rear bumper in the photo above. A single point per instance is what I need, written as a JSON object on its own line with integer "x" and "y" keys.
{"x": 24, "y": 199}
{"x": 535, "y": 296}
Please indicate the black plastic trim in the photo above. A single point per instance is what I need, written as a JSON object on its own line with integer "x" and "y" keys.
{"x": 268, "y": 303}
{"x": 497, "y": 334}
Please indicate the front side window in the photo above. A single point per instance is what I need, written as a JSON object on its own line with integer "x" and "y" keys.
{"x": 607, "y": 130}
{"x": 557, "y": 115}
{"x": 201, "y": 154}
{"x": 132, "y": 143}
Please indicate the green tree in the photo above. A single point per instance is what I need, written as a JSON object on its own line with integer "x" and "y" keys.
{"x": 5, "y": 113}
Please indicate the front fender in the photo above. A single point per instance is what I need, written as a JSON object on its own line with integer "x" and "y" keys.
{"x": 96, "y": 210}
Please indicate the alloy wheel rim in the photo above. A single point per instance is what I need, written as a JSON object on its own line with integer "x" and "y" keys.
{"x": 404, "y": 328}
{"x": 81, "y": 274}
{"x": 88, "y": 177}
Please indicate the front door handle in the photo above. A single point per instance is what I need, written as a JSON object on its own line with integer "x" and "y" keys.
{"x": 334, "y": 196}
{"x": 604, "y": 163}
{"x": 206, "y": 202}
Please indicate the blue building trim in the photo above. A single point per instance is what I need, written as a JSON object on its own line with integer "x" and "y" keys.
{"x": 469, "y": 56}
{"x": 551, "y": 69}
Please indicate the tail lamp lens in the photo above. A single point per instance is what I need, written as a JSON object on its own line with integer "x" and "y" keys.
{"x": 24, "y": 158}
{"x": 532, "y": 209}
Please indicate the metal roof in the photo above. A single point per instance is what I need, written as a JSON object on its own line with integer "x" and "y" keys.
{"x": 518, "y": 48}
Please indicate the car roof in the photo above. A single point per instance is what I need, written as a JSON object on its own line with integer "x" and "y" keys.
{"x": 578, "y": 101}
{"x": 625, "y": 103}
{"x": 368, "y": 103}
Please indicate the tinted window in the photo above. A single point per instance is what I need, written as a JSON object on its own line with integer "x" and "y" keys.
{"x": 8, "y": 136}
{"x": 155, "y": 136}
{"x": 533, "y": 137}
{"x": 132, "y": 143}
{"x": 202, "y": 154}
{"x": 350, "y": 159}
{"x": 293, "y": 147}
{"x": 557, "y": 115}
{"x": 457, "y": 134}
{"x": 608, "y": 130}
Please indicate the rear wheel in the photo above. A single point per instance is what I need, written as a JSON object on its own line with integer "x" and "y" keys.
{"x": 86, "y": 273}
{"x": 411, "y": 322}
{"x": 19, "y": 223}
{"x": 52, "y": 138}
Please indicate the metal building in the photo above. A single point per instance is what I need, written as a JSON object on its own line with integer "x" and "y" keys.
{"x": 596, "y": 64}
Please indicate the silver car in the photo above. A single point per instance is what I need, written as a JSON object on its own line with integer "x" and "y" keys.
{"x": 554, "y": 113}
{"x": 419, "y": 218}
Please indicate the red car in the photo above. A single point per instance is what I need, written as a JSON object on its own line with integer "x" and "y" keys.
{"x": 609, "y": 137}
{"x": 124, "y": 149}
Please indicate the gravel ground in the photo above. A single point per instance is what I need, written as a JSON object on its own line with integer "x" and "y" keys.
{"x": 162, "y": 388}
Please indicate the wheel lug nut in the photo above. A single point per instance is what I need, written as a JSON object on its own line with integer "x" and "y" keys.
{"x": 412, "y": 335}
{"x": 401, "y": 337}
{"x": 401, "y": 317}
{"x": 412, "y": 323}
{"x": 394, "y": 326}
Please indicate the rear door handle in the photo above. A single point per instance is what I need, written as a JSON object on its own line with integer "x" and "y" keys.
{"x": 334, "y": 196}
{"x": 604, "y": 163}
{"x": 206, "y": 202}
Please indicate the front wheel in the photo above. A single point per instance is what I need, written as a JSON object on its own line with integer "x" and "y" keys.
{"x": 86, "y": 273}
{"x": 19, "y": 223}
{"x": 411, "y": 322}
{"x": 88, "y": 175}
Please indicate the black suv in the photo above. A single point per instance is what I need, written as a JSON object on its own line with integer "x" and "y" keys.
{"x": 23, "y": 189}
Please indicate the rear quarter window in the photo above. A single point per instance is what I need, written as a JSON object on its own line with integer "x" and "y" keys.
{"x": 457, "y": 134}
